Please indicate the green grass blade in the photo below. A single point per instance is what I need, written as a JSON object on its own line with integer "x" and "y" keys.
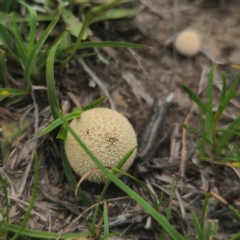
{"x": 233, "y": 86}
{"x": 33, "y": 25}
{"x": 191, "y": 129}
{"x": 51, "y": 89}
{"x": 210, "y": 231}
{"x": 3, "y": 69}
{"x": 6, "y": 39}
{"x": 105, "y": 219}
{"x": 116, "y": 14}
{"x": 222, "y": 102}
{"x": 6, "y": 5}
{"x": 204, "y": 210}
{"x": 226, "y": 135}
{"x": 148, "y": 208}
{"x": 44, "y": 235}
{"x": 119, "y": 165}
{"x": 84, "y": 27}
{"x": 235, "y": 237}
{"x": 197, "y": 226}
{"x": 94, "y": 104}
{"x": 234, "y": 211}
{"x": 71, "y": 116}
{"x": 70, "y": 176}
{"x": 12, "y": 100}
{"x": 62, "y": 134}
{"x": 105, "y": 7}
{"x": 21, "y": 48}
{"x": 208, "y": 130}
{"x": 110, "y": 235}
{"x": 195, "y": 131}
{"x": 195, "y": 98}
{"x": 110, "y": 44}
{"x": 32, "y": 57}
{"x": 58, "y": 122}
{"x": 34, "y": 195}
{"x": 73, "y": 24}
{"x": 42, "y": 59}
{"x": 210, "y": 88}
{"x": 90, "y": 229}
{"x": 10, "y": 92}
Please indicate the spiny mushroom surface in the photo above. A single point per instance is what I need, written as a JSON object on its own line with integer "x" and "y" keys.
{"x": 108, "y": 134}
{"x": 188, "y": 42}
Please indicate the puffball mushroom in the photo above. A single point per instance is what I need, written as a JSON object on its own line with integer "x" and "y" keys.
{"x": 108, "y": 134}
{"x": 188, "y": 42}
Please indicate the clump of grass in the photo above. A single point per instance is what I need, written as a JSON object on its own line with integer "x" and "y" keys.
{"x": 212, "y": 138}
{"x": 214, "y": 144}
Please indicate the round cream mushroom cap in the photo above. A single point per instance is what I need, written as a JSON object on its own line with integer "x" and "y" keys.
{"x": 188, "y": 42}
{"x": 108, "y": 134}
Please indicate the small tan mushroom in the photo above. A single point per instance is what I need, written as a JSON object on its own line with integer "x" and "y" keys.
{"x": 188, "y": 42}
{"x": 108, "y": 134}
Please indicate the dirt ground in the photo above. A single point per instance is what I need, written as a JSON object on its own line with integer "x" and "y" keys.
{"x": 134, "y": 79}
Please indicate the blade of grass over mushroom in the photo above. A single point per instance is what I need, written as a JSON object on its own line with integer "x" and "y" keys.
{"x": 148, "y": 208}
{"x": 70, "y": 116}
{"x": 33, "y": 25}
{"x": 70, "y": 176}
{"x": 119, "y": 165}
{"x": 59, "y": 121}
{"x": 116, "y": 14}
{"x": 195, "y": 98}
{"x": 32, "y": 57}
{"x": 102, "y": 44}
{"x": 51, "y": 89}
{"x": 140, "y": 183}
{"x": 44, "y": 235}
{"x": 34, "y": 195}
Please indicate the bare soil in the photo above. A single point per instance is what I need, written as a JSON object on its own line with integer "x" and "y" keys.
{"x": 134, "y": 79}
